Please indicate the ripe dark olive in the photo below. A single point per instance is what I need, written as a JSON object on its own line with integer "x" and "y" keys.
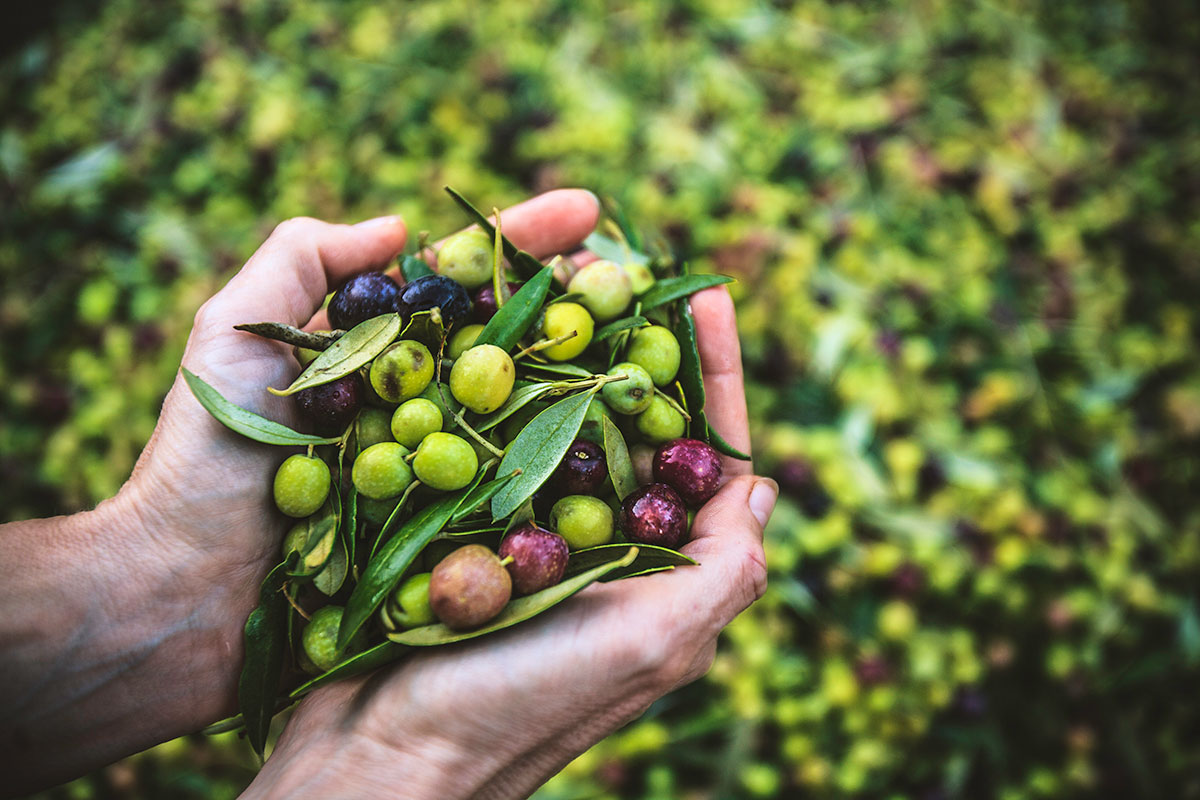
{"x": 435, "y": 291}
{"x": 362, "y": 297}
{"x": 539, "y": 558}
{"x": 690, "y": 467}
{"x": 654, "y": 514}
{"x": 330, "y": 407}
{"x": 582, "y": 470}
{"x": 484, "y": 304}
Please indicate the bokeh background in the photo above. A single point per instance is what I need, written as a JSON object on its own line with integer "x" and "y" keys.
{"x": 967, "y": 240}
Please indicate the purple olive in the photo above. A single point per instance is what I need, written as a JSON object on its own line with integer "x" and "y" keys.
{"x": 435, "y": 291}
{"x": 484, "y": 303}
{"x": 655, "y": 514}
{"x": 582, "y": 470}
{"x": 331, "y": 407}
{"x": 690, "y": 467}
{"x": 539, "y": 558}
{"x": 361, "y": 298}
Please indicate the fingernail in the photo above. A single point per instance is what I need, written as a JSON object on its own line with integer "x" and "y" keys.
{"x": 378, "y": 222}
{"x": 595, "y": 199}
{"x": 762, "y": 500}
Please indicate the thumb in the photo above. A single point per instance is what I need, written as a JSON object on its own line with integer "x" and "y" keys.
{"x": 727, "y": 540}
{"x": 304, "y": 259}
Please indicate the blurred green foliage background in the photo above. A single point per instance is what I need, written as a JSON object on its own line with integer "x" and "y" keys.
{"x": 966, "y": 236}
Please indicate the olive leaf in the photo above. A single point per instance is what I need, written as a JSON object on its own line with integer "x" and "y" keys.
{"x": 388, "y": 564}
{"x": 330, "y": 579}
{"x": 569, "y": 297}
{"x": 247, "y": 423}
{"x": 313, "y": 340}
{"x": 616, "y": 454}
{"x": 427, "y": 327}
{"x": 518, "y": 314}
{"x": 479, "y": 496}
{"x": 518, "y": 610}
{"x": 237, "y": 723}
{"x": 366, "y": 661}
{"x": 625, "y": 324}
{"x": 691, "y": 377}
{"x": 265, "y": 636}
{"x": 412, "y": 268}
{"x": 649, "y": 558}
{"x": 721, "y": 446}
{"x": 537, "y": 450}
{"x": 571, "y": 370}
{"x": 516, "y": 401}
{"x": 611, "y": 250}
{"x": 525, "y": 264}
{"x": 356, "y": 348}
{"x": 671, "y": 289}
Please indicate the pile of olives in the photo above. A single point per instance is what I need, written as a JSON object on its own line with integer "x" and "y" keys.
{"x": 416, "y": 410}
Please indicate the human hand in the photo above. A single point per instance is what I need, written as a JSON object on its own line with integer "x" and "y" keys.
{"x": 496, "y": 717}
{"x": 122, "y": 627}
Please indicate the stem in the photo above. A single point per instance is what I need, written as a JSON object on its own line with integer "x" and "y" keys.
{"x": 542, "y": 344}
{"x": 673, "y": 403}
{"x": 504, "y": 562}
{"x": 498, "y": 282}
{"x": 457, "y": 415}
{"x": 292, "y": 603}
{"x": 310, "y": 451}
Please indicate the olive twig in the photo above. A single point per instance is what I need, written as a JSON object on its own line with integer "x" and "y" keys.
{"x": 673, "y": 403}
{"x": 292, "y": 602}
{"x": 542, "y": 344}
{"x": 279, "y": 332}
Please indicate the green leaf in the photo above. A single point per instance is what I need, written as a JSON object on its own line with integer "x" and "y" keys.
{"x": 331, "y": 578}
{"x": 412, "y": 268}
{"x": 611, "y": 250}
{"x": 570, "y": 370}
{"x": 247, "y": 423}
{"x": 479, "y": 496}
{"x": 620, "y": 325}
{"x": 649, "y": 557}
{"x": 516, "y": 401}
{"x": 514, "y": 319}
{"x": 265, "y": 637}
{"x": 388, "y": 564}
{"x": 366, "y": 661}
{"x": 671, "y": 289}
{"x": 616, "y": 454}
{"x": 355, "y": 349}
{"x": 517, "y": 610}
{"x": 690, "y": 376}
{"x": 537, "y": 450}
{"x": 721, "y": 446}
{"x": 525, "y": 265}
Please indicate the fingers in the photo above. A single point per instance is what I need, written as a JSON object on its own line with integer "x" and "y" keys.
{"x": 721, "y": 362}
{"x": 551, "y": 223}
{"x": 727, "y": 537}
{"x": 287, "y": 279}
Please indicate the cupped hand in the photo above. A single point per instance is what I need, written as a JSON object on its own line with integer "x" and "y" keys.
{"x": 497, "y": 716}
{"x": 201, "y": 492}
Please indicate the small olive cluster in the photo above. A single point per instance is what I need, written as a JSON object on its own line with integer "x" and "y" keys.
{"x": 405, "y": 428}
